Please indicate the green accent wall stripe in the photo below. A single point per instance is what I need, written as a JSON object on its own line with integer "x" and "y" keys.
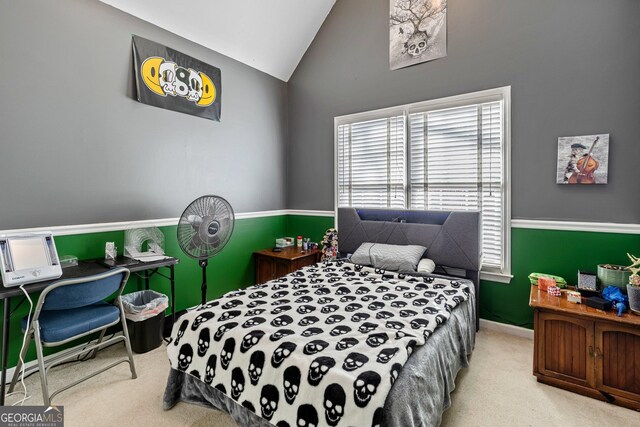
{"x": 557, "y": 252}
{"x": 553, "y": 251}
{"x": 313, "y": 227}
{"x": 233, "y": 268}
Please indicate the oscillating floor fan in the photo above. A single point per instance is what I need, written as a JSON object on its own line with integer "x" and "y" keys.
{"x": 204, "y": 229}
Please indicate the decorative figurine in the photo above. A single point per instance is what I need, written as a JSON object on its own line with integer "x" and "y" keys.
{"x": 330, "y": 245}
{"x": 634, "y": 268}
{"x": 633, "y": 287}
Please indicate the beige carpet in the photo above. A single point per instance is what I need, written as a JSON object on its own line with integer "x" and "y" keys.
{"x": 497, "y": 390}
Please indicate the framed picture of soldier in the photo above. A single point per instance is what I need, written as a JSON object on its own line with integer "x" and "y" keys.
{"x": 417, "y": 32}
{"x": 583, "y": 159}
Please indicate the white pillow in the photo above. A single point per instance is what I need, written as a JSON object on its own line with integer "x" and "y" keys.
{"x": 426, "y": 265}
{"x": 403, "y": 258}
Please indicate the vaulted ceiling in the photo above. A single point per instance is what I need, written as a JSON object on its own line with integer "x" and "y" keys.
{"x": 270, "y": 35}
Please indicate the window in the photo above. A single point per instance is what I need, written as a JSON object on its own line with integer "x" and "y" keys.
{"x": 446, "y": 154}
{"x": 371, "y": 171}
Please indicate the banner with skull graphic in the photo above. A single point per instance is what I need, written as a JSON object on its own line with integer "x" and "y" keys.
{"x": 417, "y": 31}
{"x": 169, "y": 79}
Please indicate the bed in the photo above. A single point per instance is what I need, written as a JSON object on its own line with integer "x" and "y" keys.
{"x": 337, "y": 343}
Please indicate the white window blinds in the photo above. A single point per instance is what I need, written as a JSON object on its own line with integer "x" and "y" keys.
{"x": 456, "y": 164}
{"x": 436, "y": 155}
{"x": 371, "y": 163}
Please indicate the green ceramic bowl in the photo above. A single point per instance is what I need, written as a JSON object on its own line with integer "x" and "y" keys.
{"x": 616, "y": 276}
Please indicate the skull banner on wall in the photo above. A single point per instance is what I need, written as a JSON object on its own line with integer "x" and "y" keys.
{"x": 172, "y": 80}
{"x": 417, "y": 31}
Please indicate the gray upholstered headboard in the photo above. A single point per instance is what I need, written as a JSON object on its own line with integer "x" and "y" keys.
{"x": 452, "y": 238}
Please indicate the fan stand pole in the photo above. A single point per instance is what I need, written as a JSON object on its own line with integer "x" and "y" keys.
{"x": 203, "y": 265}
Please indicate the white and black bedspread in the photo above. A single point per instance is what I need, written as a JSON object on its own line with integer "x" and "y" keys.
{"x": 321, "y": 346}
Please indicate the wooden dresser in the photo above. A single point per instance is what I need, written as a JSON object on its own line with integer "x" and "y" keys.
{"x": 585, "y": 350}
{"x": 271, "y": 265}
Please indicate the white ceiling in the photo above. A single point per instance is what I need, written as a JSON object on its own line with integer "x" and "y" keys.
{"x": 270, "y": 35}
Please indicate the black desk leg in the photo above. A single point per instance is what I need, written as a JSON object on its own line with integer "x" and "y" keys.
{"x": 6, "y": 303}
{"x": 173, "y": 294}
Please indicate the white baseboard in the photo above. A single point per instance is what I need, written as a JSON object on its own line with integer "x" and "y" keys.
{"x": 506, "y": 329}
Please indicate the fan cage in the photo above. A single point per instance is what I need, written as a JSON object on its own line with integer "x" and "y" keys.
{"x": 205, "y": 227}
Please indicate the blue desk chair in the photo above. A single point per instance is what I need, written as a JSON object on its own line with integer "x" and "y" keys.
{"x": 73, "y": 308}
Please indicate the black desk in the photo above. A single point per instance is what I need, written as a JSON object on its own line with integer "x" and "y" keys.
{"x": 145, "y": 270}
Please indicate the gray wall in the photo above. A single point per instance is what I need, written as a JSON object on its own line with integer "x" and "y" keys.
{"x": 77, "y": 147}
{"x": 573, "y": 66}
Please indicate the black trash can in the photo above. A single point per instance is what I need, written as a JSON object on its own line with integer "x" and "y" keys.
{"x": 144, "y": 311}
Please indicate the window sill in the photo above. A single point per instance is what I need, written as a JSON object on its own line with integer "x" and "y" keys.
{"x": 496, "y": 277}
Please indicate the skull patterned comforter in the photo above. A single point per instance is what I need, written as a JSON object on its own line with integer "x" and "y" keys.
{"x": 321, "y": 346}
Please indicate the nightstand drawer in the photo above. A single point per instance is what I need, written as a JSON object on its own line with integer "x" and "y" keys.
{"x": 270, "y": 265}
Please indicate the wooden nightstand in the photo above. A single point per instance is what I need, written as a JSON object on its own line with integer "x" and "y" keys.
{"x": 271, "y": 265}
{"x": 585, "y": 350}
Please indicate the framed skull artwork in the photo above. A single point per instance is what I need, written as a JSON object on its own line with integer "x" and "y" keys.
{"x": 417, "y": 32}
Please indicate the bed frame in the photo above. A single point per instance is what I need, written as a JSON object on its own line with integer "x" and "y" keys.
{"x": 452, "y": 238}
